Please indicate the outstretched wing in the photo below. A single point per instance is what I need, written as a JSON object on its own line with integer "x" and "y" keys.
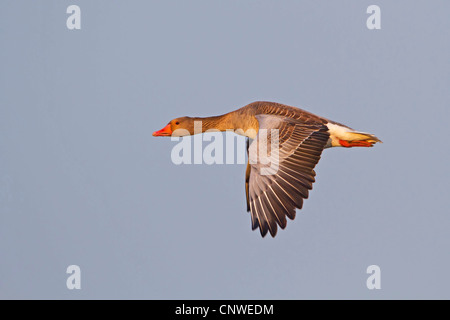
{"x": 279, "y": 179}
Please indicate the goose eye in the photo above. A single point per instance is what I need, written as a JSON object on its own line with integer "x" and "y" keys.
{"x": 177, "y": 123}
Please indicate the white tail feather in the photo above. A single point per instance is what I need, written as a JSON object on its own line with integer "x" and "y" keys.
{"x": 339, "y": 132}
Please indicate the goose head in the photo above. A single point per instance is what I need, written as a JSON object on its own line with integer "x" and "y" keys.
{"x": 177, "y": 127}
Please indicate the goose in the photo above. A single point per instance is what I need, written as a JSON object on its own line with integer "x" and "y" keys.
{"x": 302, "y": 136}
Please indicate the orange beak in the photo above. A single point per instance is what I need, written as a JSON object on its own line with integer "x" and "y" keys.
{"x": 166, "y": 131}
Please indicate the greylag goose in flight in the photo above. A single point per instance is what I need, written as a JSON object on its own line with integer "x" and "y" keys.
{"x": 301, "y": 137}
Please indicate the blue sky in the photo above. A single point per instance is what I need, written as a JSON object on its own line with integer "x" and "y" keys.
{"x": 82, "y": 180}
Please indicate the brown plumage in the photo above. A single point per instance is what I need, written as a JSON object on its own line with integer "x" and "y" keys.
{"x": 302, "y": 136}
